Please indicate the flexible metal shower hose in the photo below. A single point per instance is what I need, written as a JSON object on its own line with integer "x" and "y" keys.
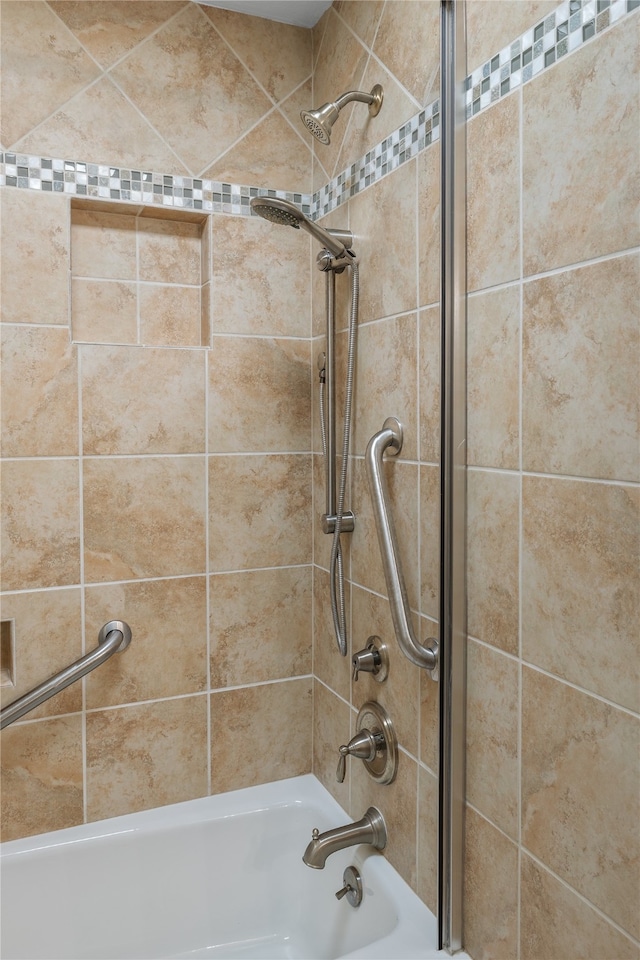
{"x": 336, "y": 567}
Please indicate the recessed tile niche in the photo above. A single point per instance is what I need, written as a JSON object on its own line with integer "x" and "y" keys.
{"x": 139, "y": 275}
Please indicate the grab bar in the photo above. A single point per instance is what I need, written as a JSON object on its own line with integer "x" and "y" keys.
{"x": 113, "y": 637}
{"x": 390, "y": 439}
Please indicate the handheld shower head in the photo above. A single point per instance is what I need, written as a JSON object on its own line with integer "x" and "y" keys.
{"x": 281, "y": 211}
{"x": 321, "y": 121}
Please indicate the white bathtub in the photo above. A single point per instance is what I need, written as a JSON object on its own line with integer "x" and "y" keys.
{"x": 220, "y": 877}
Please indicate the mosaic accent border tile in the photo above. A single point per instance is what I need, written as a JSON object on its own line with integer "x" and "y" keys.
{"x": 562, "y": 32}
{"x": 402, "y": 145}
{"x": 80, "y": 179}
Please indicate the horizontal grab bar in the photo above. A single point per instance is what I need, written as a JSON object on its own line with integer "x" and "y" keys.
{"x": 113, "y": 637}
{"x": 390, "y": 439}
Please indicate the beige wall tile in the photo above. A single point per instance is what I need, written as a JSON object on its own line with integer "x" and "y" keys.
{"x": 328, "y": 664}
{"x": 579, "y": 127}
{"x": 366, "y": 562}
{"x": 290, "y": 108}
{"x": 271, "y": 155}
{"x": 48, "y": 637}
{"x": 493, "y": 195}
{"x": 383, "y": 221}
{"x": 430, "y": 541}
{"x": 493, "y": 379}
{"x": 397, "y": 803}
{"x": 251, "y": 738}
{"x": 246, "y": 298}
{"x": 168, "y": 650}
{"x": 581, "y": 356}
{"x": 144, "y": 517}
{"x": 277, "y": 54}
{"x": 259, "y": 395}
{"x": 556, "y": 922}
{"x": 91, "y": 125}
{"x": 260, "y": 625}
{"x": 429, "y": 225}
{"x": 168, "y": 251}
{"x": 492, "y": 558}
{"x": 429, "y": 384}
{"x": 493, "y": 24}
{"x": 331, "y": 727}
{"x": 35, "y": 256}
{"x": 408, "y": 43}
{"x": 39, "y": 393}
{"x": 206, "y": 242}
{"x": 146, "y": 756}
{"x": 362, "y": 16}
{"x": 317, "y": 34}
{"x": 170, "y": 316}
{"x": 41, "y": 776}
{"x": 492, "y": 736}
{"x": 41, "y": 524}
{"x": 43, "y": 66}
{"x": 107, "y": 29}
{"x": 399, "y": 694}
{"x": 205, "y": 315}
{"x": 223, "y": 101}
{"x": 259, "y": 511}
{"x": 580, "y": 793}
{"x": 159, "y": 406}
{"x": 427, "y": 888}
{"x": 103, "y": 245}
{"x": 322, "y": 541}
{"x": 490, "y": 891}
{"x": 379, "y": 397}
{"x": 104, "y": 311}
{"x": 580, "y": 584}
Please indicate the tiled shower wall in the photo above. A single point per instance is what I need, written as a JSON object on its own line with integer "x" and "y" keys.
{"x": 553, "y": 523}
{"x": 552, "y": 866}
{"x": 157, "y": 466}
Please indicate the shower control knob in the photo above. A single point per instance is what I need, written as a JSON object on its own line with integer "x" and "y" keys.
{"x": 364, "y": 746}
{"x": 373, "y": 659}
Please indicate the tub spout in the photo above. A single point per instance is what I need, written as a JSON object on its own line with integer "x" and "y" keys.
{"x": 371, "y": 829}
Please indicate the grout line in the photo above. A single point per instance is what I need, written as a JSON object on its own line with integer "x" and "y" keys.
{"x": 598, "y": 910}
{"x": 529, "y": 664}
{"x": 554, "y": 476}
{"x": 180, "y": 696}
{"x": 583, "y": 690}
{"x": 97, "y": 584}
{"x": 141, "y": 283}
{"x": 520, "y": 507}
{"x": 83, "y": 685}
{"x": 208, "y": 570}
{"x": 556, "y": 271}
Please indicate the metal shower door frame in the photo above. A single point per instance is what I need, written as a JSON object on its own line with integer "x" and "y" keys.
{"x": 453, "y": 625}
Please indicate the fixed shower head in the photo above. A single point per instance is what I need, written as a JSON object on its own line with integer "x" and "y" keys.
{"x": 321, "y": 121}
{"x": 281, "y": 211}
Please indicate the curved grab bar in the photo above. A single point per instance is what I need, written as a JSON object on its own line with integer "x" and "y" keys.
{"x": 113, "y": 636}
{"x": 390, "y": 439}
